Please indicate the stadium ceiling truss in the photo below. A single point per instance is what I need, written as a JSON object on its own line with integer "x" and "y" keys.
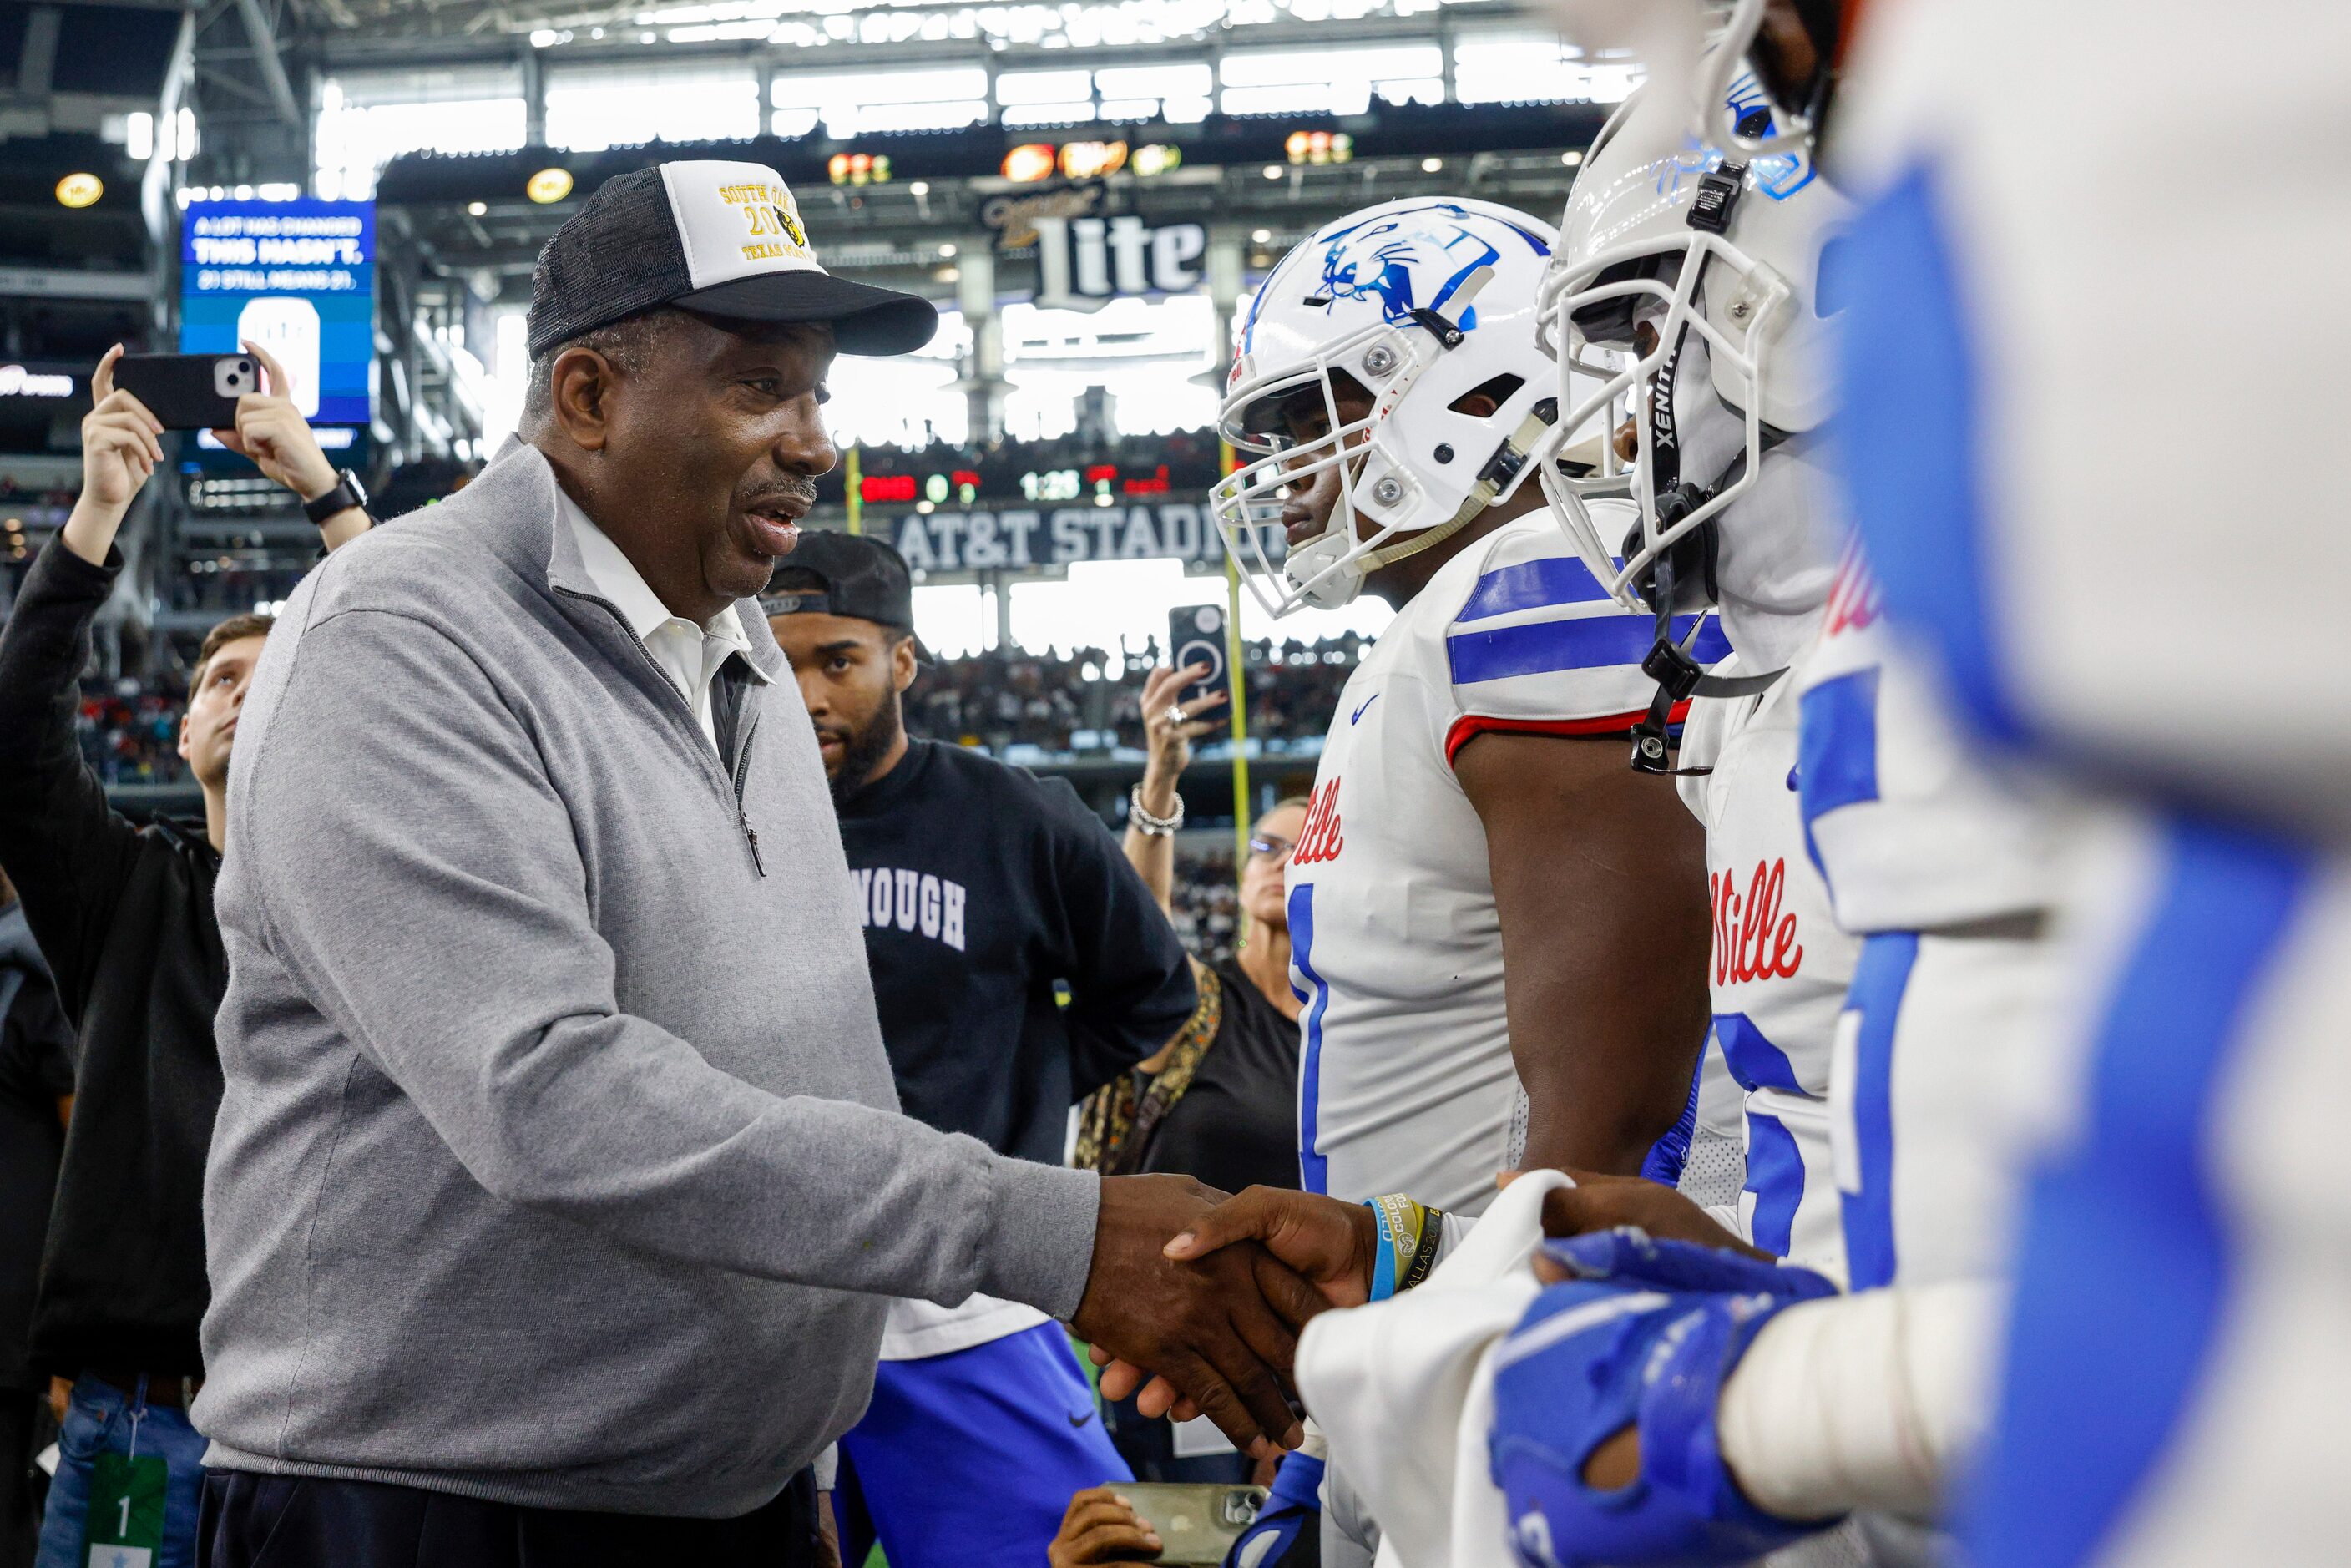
{"x": 821, "y": 23}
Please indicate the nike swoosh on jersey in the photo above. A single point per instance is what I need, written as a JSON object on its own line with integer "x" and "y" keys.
{"x": 1357, "y": 716}
{"x": 1080, "y": 1420}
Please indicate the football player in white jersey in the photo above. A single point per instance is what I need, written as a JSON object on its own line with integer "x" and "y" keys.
{"x": 2175, "y": 1373}
{"x": 1688, "y": 290}
{"x": 1470, "y": 807}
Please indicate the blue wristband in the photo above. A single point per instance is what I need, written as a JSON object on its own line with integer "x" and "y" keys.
{"x": 1384, "y": 1267}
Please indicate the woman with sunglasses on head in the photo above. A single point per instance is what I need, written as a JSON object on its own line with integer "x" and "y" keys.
{"x": 1219, "y": 1101}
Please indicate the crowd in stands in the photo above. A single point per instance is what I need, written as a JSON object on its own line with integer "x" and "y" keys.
{"x": 1090, "y": 700}
{"x": 1086, "y": 700}
{"x": 1205, "y": 905}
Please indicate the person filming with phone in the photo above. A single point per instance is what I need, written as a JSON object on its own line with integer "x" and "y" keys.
{"x": 123, "y": 913}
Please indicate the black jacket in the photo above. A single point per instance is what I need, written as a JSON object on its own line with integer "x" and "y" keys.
{"x": 124, "y": 915}
{"x": 35, "y": 1072}
{"x": 981, "y": 886}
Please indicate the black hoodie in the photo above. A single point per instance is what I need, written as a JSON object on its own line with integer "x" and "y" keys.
{"x": 123, "y": 913}
{"x": 980, "y": 886}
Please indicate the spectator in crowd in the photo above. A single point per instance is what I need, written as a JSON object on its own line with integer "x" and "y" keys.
{"x": 123, "y": 913}
{"x": 980, "y": 887}
{"x": 35, "y": 1099}
{"x": 1219, "y": 1100}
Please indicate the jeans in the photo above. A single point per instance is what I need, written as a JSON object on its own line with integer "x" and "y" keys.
{"x": 103, "y": 1419}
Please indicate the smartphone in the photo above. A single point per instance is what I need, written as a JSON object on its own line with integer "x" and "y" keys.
{"x": 1196, "y": 635}
{"x": 1197, "y": 1522}
{"x": 189, "y": 391}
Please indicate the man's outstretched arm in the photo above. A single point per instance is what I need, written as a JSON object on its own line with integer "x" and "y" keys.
{"x": 1600, "y": 885}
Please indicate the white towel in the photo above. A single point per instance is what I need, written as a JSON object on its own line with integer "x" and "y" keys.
{"x": 1404, "y": 1389}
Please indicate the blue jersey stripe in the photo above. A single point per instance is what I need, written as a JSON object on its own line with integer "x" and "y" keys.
{"x": 1912, "y": 441}
{"x": 1666, "y": 1157}
{"x": 1531, "y": 584}
{"x": 2124, "y": 1272}
{"x": 1775, "y": 1175}
{"x": 1879, "y": 979}
{"x": 1313, "y": 1169}
{"x": 1581, "y": 642}
{"x": 1752, "y": 1059}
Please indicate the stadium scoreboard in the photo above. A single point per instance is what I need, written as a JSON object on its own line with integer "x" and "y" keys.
{"x": 1100, "y": 482}
{"x": 297, "y": 277}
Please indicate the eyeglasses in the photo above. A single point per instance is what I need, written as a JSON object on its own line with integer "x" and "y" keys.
{"x": 1272, "y": 848}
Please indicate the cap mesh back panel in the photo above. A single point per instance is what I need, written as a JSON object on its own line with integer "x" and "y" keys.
{"x": 617, "y": 256}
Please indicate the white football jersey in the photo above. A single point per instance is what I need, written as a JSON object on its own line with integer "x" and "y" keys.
{"x": 1912, "y": 830}
{"x": 1779, "y": 967}
{"x": 1406, "y": 1083}
{"x": 1926, "y": 852}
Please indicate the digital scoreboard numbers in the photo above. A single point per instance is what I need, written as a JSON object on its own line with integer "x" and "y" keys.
{"x": 297, "y": 277}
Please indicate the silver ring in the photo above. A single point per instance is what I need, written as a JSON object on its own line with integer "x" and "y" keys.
{"x": 1176, "y": 716}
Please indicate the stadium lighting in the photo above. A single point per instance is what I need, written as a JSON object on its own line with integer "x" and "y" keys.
{"x": 1571, "y": 158}
{"x": 1431, "y": 165}
{"x": 548, "y": 185}
{"x": 1273, "y": 170}
{"x": 478, "y": 208}
{"x": 80, "y": 190}
{"x": 138, "y": 136}
{"x": 947, "y": 250}
{"x": 1260, "y": 237}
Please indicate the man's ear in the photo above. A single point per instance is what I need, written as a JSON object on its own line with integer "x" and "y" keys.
{"x": 183, "y": 736}
{"x": 579, "y": 390}
{"x": 902, "y": 664}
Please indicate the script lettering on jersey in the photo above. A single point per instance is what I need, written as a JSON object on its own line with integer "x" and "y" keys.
{"x": 1753, "y": 940}
{"x": 1319, "y": 839}
{"x": 1852, "y": 597}
{"x": 910, "y": 901}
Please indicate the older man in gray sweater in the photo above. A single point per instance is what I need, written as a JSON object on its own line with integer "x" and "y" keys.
{"x": 558, "y": 1183}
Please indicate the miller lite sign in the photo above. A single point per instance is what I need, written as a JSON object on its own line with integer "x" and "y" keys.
{"x": 1083, "y": 263}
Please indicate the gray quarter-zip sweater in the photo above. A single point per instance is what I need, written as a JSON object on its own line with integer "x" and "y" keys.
{"x": 557, "y": 1154}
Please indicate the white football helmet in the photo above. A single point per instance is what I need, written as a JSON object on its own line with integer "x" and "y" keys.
{"x": 1421, "y": 302}
{"x": 1662, "y": 231}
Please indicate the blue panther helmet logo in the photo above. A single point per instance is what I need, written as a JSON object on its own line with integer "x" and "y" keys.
{"x": 1778, "y": 175}
{"x": 1393, "y": 259}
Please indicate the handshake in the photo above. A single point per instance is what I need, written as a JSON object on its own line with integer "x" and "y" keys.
{"x": 1197, "y": 1299}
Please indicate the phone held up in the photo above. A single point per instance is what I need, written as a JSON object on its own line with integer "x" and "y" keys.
{"x": 189, "y": 391}
{"x": 1197, "y": 1521}
{"x": 1196, "y": 635}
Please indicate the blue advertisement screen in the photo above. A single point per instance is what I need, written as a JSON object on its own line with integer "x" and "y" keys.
{"x": 298, "y": 278}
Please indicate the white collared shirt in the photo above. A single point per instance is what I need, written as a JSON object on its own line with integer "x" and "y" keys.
{"x": 688, "y": 654}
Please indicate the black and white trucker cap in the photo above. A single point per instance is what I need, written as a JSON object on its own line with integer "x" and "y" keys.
{"x": 721, "y": 237}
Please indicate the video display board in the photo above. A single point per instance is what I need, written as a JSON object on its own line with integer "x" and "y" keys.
{"x": 298, "y": 278}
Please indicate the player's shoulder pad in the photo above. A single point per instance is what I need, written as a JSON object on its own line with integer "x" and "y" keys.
{"x": 1534, "y": 643}
{"x": 1525, "y": 567}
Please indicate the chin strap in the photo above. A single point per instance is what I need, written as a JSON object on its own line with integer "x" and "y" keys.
{"x": 1492, "y": 480}
{"x": 1671, "y": 663}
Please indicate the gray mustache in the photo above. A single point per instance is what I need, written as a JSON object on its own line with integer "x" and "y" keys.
{"x": 804, "y": 493}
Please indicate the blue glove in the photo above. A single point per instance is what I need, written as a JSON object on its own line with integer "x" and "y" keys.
{"x": 1645, "y": 1335}
{"x": 1287, "y": 1529}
